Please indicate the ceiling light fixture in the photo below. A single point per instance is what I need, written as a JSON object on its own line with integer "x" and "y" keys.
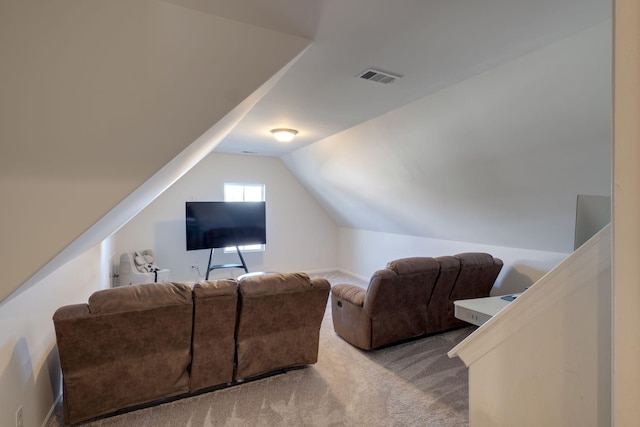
{"x": 284, "y": 135}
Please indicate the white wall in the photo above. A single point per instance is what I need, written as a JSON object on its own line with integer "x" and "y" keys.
{"x": 497, "y": 159}
{"x": 29, "y": 366}
{"x": 363, "y": 252}
{"x": 545, "y": 359}
{"x": 300, "y": 234}
{"x": 96, "y": 97}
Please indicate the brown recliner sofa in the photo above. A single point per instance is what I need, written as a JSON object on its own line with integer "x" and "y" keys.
{"x": 393, "y": 308}
{"x": 279, "y": 322}
{"x": 478, "y": 273}
{"x": 140, "y": 344}
{"x": 127, "y": 346}
{"x": 412, "y": 297}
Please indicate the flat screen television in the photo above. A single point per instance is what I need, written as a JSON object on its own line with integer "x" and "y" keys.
{"x": 212, "y": 225}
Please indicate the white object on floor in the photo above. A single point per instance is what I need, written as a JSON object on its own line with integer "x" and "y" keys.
{"x": 140, "y": 267}
{"x": 478, "y": 310}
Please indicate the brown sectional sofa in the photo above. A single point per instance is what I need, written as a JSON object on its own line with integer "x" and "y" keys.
{"x": 393, "y": 308}
{"x": 410, "y": 298}
{"x": 139, "y": 344}
{"x": 280, "y": 322}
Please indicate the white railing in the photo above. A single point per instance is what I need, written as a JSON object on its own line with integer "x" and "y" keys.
{"x": 545, "y": 359}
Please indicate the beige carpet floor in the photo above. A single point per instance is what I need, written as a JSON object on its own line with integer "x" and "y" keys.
{"x": 410, "y": 384}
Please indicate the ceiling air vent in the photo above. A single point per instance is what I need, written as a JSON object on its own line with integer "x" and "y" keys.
{"x": 379, "y": 76}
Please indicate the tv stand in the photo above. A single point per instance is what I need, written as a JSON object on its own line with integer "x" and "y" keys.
{"x": 213, "y": 267}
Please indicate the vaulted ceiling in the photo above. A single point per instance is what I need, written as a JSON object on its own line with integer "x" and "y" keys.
{"x": 433, "y": 44}
{"x": 497, "y": 159}
{"x": 501, "y": 118}
{"x": 97, "y": 97}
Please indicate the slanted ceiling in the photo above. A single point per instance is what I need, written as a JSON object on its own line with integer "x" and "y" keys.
{"x": 95, "y": 97}
{"x": 509, "y": 117}
{"x": 497, "y": 159}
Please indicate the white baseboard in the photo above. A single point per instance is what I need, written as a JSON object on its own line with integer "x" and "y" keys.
{"x": 322, "y": 270}
{"x": 339, "y": 270}
{"x": 354, "y": 275}
{"x": 53, "y": 408}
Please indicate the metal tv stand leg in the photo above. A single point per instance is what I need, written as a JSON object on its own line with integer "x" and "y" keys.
{"x": 213, "y": 267}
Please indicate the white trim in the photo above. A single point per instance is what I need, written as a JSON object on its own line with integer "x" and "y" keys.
{"x": 339, "y": 270}
{"x": 53, "y": 408}
{"x": 571, "y": 274}
{"x": 321, "y": 270}
{"x": 354, "y": 275}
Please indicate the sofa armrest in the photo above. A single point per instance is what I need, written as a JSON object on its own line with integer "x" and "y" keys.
{"x": 321, "y": 284}
{"x": 350, "y": 320}
{"x": 72, "y": 311}
{"x": 351, "y": 293}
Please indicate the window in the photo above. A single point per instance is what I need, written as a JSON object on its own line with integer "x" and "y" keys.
{"x": 244, "y": 193}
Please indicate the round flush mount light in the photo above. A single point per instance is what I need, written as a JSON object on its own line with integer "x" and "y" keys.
{"x": 284, "y": 135}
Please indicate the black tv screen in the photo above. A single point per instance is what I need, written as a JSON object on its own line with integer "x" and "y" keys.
{"x": 211, "y": 225}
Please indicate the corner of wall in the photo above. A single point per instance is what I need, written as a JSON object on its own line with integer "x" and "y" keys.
{"x": 29, "y": 366}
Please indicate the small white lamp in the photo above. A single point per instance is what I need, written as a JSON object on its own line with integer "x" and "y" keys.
{"x": 284, "y": 135}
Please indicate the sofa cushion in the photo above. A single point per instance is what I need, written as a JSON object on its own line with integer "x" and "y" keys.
{"x": 214, "y": 320}
{"x": 438, "y": 306}
{"x": 139, "y": 297}
{"x": 396, "y": 299}
{"x": 274, "y": 283}
{"x": 407, "y": 283}
{"x": 478, "y": 273}
{"x": 414, "y": 265}
{"x": 278, "y": 322}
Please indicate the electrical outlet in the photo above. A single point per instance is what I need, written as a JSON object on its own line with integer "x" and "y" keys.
{"x": 19, "y": 421}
